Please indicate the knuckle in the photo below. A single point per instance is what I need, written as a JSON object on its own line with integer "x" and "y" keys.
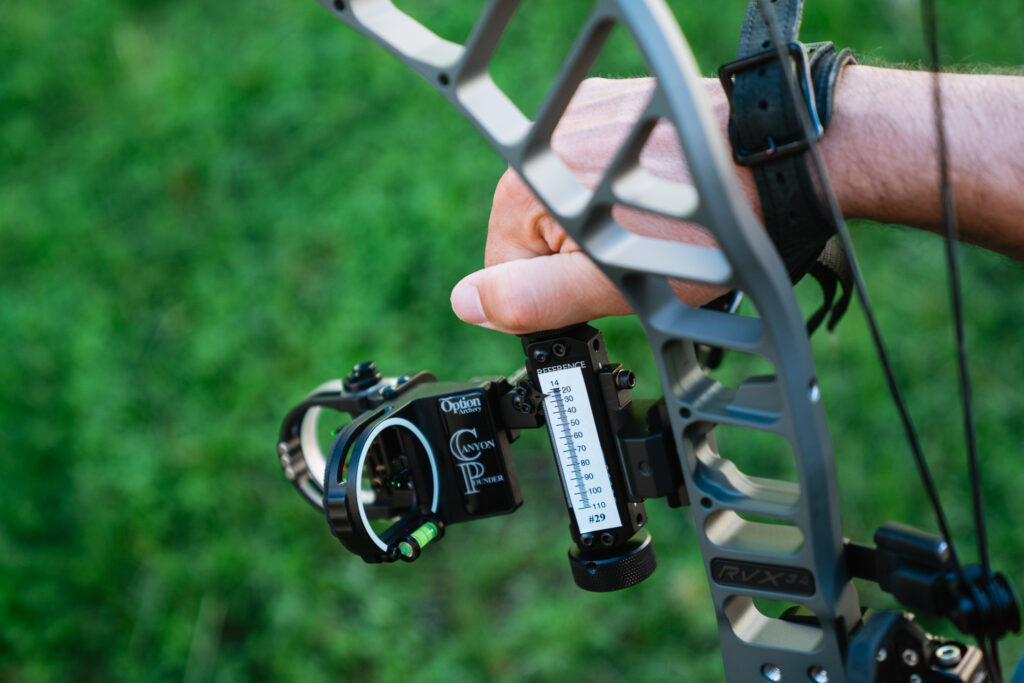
{"x": 550, "y": 231}
{"x": 511, "y": 190}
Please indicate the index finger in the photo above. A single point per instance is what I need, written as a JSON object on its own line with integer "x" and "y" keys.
{"x": 519, "y": 226}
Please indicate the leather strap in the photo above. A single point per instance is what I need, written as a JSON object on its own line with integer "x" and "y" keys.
{"x": 831, "y": 270}
{"x": 765, "y": 133}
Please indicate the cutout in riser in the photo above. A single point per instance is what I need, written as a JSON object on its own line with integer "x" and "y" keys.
{"x": 758, "y": 534}
{"x": 722, "y": 483}
{"x": 754, "y": 627}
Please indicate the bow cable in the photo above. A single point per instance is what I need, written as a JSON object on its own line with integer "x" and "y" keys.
{"x": 835, "y": 213}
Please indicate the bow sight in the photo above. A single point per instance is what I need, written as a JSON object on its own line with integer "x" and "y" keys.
{"x": 420, "y": 455}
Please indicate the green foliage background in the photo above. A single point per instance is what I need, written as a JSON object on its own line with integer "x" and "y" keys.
{"x": 207, "y": 208}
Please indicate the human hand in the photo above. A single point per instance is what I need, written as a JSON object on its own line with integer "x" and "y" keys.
{"x": 535, "y": 276}
{"x": 879, "y": 153}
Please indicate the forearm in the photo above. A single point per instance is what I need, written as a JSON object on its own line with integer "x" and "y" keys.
{"x": 881, "y": 152}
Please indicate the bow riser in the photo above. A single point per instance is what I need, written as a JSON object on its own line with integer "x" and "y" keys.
{"x": 800, "y": 560}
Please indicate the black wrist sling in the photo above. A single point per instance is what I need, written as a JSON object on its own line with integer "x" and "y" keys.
{"x": 765, "y": 134}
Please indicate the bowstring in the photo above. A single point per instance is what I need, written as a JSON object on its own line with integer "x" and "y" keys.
{"x": 952, "y": 250}
{"x": 988, "y": 647}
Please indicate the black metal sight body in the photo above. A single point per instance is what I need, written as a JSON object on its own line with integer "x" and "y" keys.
{"x": 427, "y": 457}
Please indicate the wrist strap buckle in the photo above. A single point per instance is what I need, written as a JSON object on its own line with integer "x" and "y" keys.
{"x": 795, "y": 144}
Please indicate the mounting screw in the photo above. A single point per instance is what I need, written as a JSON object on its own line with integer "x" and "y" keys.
{"x": 540, "y": 355}
{"x": 607, "y": 539}
{"x": 771, "y": 673}
{"x": 587, "y": 540}
{"x": 625, "y": 379}
{"x": 948, "y": 654}
{"x": 910, "y": 657}
{"x": 882, "y": 655}
{"x": 818, "y": 674}
{"x": 558, "y": 348}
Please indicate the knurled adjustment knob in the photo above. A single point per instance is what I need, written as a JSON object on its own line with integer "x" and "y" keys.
{"x": 363, "y": 375}
{"x": 634, "y": 562}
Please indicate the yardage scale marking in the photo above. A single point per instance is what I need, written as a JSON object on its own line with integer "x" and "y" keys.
{"x": 570, "y": 447}
{"x": 581, "y": 461}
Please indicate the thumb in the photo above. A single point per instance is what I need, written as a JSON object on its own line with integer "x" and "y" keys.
{"x": 539, "y": 293}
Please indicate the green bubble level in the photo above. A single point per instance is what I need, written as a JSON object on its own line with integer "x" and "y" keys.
{"x": 425, "y": 534}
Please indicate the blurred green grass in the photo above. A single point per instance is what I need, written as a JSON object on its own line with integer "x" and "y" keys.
{"x": 206, "y": 209}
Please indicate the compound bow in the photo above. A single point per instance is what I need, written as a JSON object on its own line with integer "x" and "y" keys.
{"x": 760, "y": 538}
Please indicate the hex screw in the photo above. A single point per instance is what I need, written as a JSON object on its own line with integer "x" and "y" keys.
{"x": 910, "y": 657}
{"x": 540, "y": 355}
{"x": 818, "y": 674}
{"x": 771, "y": 673}
{"x": 948, "y": 654}
{"x": 607, "y": 539}
{"x": 558, "y": 348}
{"x": 881, "y": 655}
{"x": 625, "y": 379}
{"x": 587, "y": 540}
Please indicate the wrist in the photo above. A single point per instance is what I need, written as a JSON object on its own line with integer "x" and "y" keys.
{"x": 854, "y": 186}
{"x": 835, "y": 145}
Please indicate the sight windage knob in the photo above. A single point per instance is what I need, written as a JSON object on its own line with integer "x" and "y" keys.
{"x": 633, "y": 563}
{"x": 363, "y": 375}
